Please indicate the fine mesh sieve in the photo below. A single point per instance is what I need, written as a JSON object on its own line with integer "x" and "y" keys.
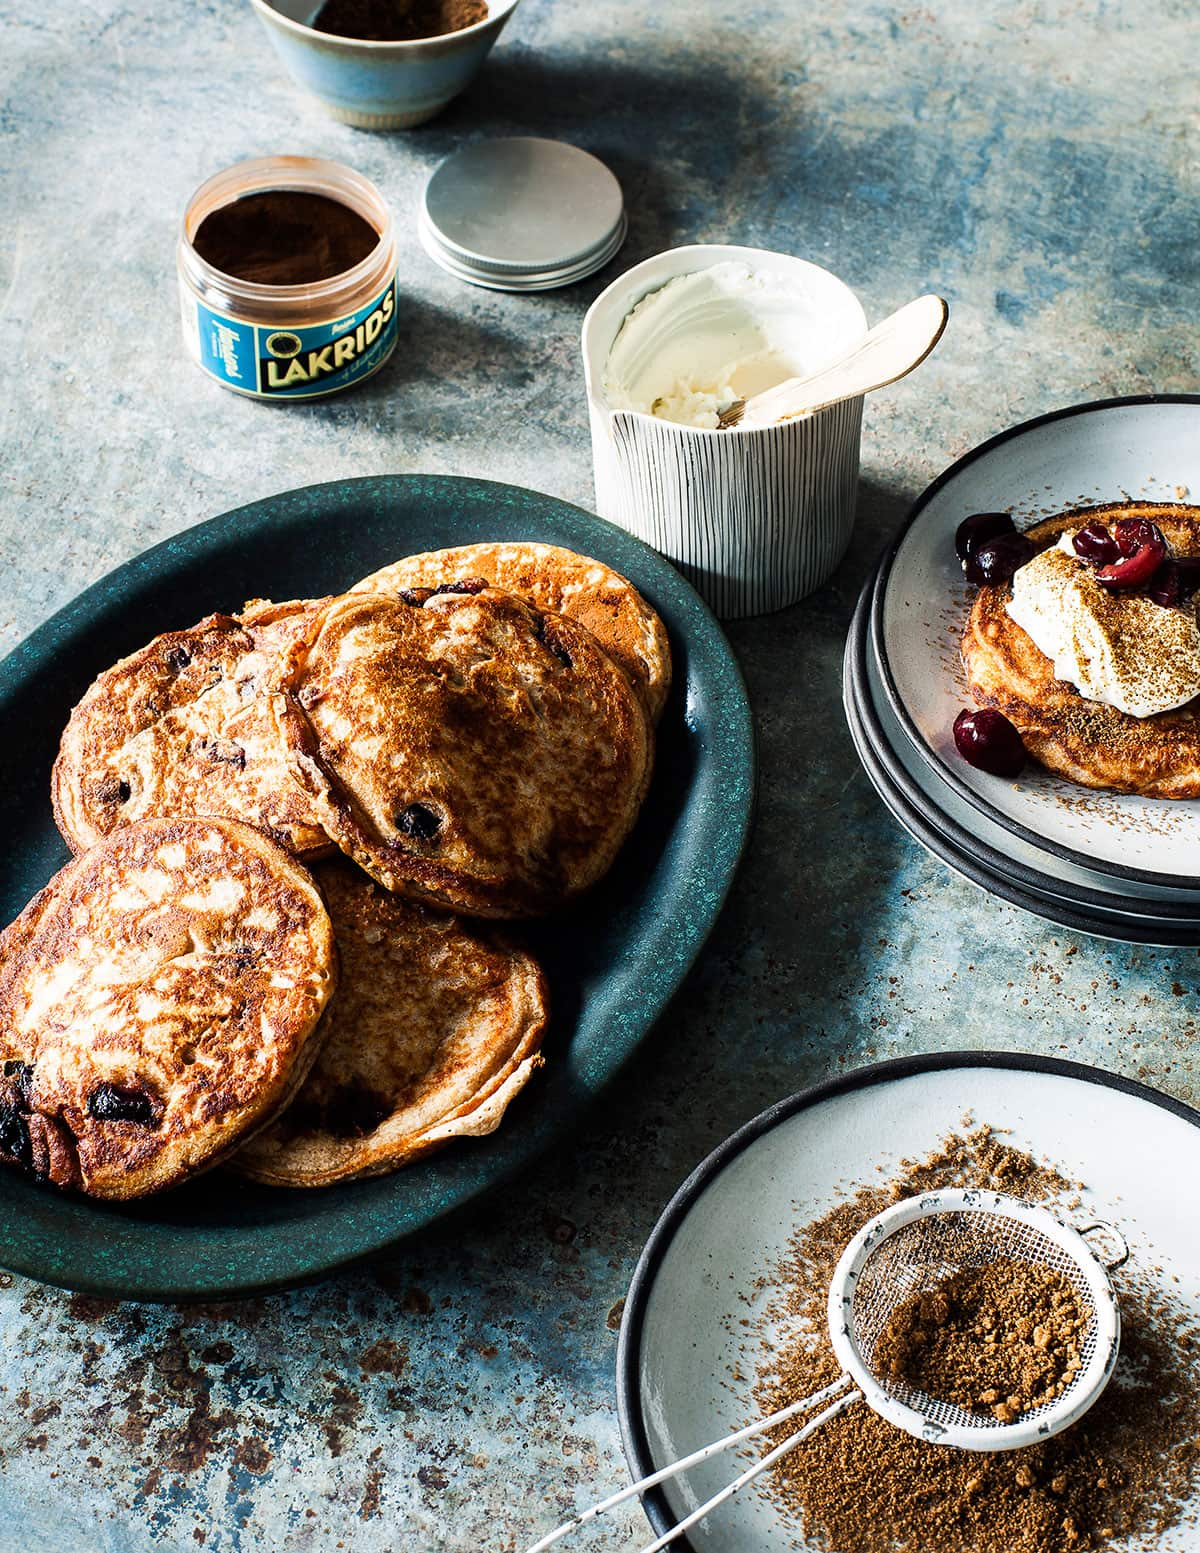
{"x": 916, "y": 1246}
{"x": 907, "y": 1250}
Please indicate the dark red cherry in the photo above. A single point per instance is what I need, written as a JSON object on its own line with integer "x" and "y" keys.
{"x": 996, "y": 561}
{"x": 1135, "y": 569}
{"x": 1132, "y": 533}
{"x": 985, "y": 738}
{"x": 1166, "y": 587}
{"x": 1175, "y": 582}
{"x": 977, "y": 530}
{"x": 1094, "y": 544}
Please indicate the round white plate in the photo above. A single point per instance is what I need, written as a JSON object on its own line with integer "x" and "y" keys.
{"x": 1124, "y": 448}
{"x": 684, "y": 1343}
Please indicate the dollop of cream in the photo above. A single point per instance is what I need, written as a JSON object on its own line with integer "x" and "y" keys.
{"x": 1116, "y": 647}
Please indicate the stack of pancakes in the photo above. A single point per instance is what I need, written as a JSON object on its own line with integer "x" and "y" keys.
{"x": 466, "y": 733}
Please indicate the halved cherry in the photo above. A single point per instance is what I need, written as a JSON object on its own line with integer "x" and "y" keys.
{"x": 1137, "y": 568}
{"x": 1132, "y": 533}
{"x": 985, "y": 738}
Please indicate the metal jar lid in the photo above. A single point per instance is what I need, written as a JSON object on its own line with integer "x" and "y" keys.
{"x": 522, "y": 214}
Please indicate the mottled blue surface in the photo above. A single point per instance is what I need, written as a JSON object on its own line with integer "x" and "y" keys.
{"x": 1035, "y": 164}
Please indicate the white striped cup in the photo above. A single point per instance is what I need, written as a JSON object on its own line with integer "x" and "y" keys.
{"x": 754, "y": 519}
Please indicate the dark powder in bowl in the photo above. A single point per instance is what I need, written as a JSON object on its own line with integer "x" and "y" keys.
{"x": 397, "y": 21}
{"x": 1126, "y": 1471}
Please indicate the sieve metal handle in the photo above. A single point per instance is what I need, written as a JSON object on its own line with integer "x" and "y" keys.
{"x": 1084, "y": 1230}
{"x": 836, "y": 1390}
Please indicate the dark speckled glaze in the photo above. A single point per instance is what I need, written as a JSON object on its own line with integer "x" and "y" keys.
{"x": 614, "y": 961}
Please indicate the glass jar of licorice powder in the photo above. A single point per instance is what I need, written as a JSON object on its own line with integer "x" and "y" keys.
{"x": 287, "y": 278}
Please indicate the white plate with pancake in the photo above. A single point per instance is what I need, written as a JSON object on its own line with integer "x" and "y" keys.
{"x": 1113, "y": 450}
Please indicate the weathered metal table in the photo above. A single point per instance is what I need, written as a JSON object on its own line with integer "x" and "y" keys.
{"x": 1032, "y": 163}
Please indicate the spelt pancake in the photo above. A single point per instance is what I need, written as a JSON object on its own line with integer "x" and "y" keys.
{"x": 1092, "y": 744}
{"x": 184, "y": 726}
{"x": 433, "y": 1029}
{"x": 551, "y": 578}
{"x": 465, "y": 749}
{"x": 159, "y": 1000}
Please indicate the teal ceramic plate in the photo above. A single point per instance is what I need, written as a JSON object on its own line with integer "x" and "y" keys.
{"x": 613, "y": 962}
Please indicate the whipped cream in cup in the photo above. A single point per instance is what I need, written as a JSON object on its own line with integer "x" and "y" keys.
{"x": 755, "y": 517}
{"x": 690, "y": 348}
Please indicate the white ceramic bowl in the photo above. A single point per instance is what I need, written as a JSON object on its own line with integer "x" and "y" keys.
{"x": 379, "y": 85}
{"x": 756, "y": 518}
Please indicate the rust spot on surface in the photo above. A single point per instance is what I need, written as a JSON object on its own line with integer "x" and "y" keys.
{"x": 253, "y": 1454}
{"x": 217, "y": 1353}
{"x": 345, "y": 1410}
{"x": 613, "y": 1320}
{"x": 385, "y": 1358}
{"x": 372, "y": 1488}
{"x": 431, "y": 1477}
{"x": 187, "y": 1448}
{"x": 416, "y": 1302}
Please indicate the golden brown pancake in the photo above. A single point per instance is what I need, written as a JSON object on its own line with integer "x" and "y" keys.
{"x": 159, "y": 1000}
{"x": 562, "y": 582}
{"x": 1093, "y": 744}
{"x": 184, "y": 726}
{"x": 464, "y": 748}
{"x": 433, "y": 1029}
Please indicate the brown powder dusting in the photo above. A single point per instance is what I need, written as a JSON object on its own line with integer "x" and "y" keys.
{"x": 859, "y": 1485}
{"x": 998, "y": 1339}
{"x": 397, "y": 21}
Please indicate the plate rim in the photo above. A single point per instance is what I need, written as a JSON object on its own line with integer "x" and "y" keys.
{"x": 629, "y": 1410}
{"x": 120, "y": 588}
{"x": 1075, "y": 896}
{"x": 882, "y": 576}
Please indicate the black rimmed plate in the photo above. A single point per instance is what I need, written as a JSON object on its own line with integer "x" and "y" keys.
{"x": 1146, "y": 449}
{"x": 613, "y": 962}
{"x": 692, "y": 1334}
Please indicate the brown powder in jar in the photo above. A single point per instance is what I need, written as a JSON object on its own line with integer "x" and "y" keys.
{"x": 860, "y": 1485}
{"x": 397, "y": 21}
{"x": 284, "y": 237}
{"x": 1000, "y": 1339}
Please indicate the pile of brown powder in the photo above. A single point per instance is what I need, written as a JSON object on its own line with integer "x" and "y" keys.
{"x": 397, "y": 21}
{"x": 859, "y": 1485}
{"x": 1001, "y": 1338}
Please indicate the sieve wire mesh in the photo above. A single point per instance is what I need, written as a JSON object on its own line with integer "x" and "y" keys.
{"x": 919, "y": 1256}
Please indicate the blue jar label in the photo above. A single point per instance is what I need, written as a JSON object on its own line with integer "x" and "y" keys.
{"x": 300, "y": 363}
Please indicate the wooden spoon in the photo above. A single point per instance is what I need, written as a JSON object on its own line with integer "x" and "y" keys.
{"x": 884, "y": 355}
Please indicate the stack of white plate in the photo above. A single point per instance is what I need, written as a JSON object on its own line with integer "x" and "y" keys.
{"x": 1097, "y": 862}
